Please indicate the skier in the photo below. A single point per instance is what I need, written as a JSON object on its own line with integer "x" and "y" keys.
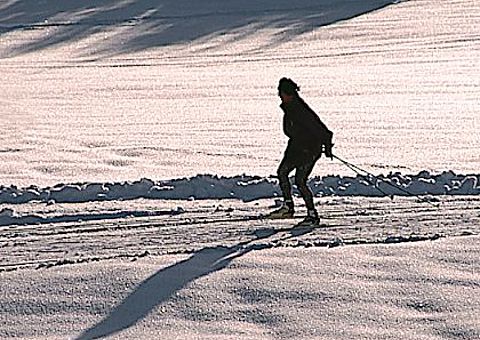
{"x": 308, "y": 139}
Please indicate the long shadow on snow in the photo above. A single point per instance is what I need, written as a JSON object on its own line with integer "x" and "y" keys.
{"x": 162, "y": 285}
{"x": 150, "y": 23}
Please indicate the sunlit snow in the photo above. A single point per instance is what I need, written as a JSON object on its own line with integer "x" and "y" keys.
{"x": 138, "y": 147}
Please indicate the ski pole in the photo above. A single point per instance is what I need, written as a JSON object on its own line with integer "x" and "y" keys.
{"x": 357, "y": 170}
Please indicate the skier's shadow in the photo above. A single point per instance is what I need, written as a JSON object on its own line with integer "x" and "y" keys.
{"x": 162, "y": 285}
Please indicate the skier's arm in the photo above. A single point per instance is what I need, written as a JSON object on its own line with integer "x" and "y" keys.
{"x": 314, "y": 127}
{"x": 312, "y": 124}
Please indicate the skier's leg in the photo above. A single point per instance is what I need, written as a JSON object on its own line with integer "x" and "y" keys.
{"x": 287, "y": 209}
{"x": 301, "y": 177}
{"x": 286, "y": 167}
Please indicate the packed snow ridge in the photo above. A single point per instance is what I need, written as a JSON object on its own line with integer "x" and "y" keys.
{"x": 246, "y": 188}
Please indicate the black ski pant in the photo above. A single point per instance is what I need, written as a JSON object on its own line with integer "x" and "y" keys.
{"x": 303, "y": 162}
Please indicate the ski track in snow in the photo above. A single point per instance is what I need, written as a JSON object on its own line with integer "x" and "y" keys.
{"x": 393, "y": 107}
{"x": 176, "y": 227}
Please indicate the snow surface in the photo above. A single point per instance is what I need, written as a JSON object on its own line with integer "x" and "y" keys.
{"x": 208, "y": 271}
{"x": 126, "y": 127}
{"x": 117, "y": 91}
{"x": 246, "y": 188}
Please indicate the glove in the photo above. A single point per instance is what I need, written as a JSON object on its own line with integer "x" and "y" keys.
{"x": 327, "y": 149}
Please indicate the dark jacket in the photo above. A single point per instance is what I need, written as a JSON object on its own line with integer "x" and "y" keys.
{"x": 303, "y": 126}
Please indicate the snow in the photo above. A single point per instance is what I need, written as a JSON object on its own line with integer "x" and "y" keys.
{"x": 382, "y": 291}
{"x": 139, "y": 142}
{"x": 209, "y": 268}
{"x": 246, "y": 188}
{"x": 105, "y": 99}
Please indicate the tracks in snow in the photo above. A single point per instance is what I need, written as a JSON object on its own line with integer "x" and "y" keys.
{"x": 202, "y": 225}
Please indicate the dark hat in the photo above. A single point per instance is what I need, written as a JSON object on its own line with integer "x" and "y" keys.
{"x": 288, "y": 86}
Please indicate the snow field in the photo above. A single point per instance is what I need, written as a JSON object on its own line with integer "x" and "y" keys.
{"x": 380, "y": 292}
{"x": 397, "y": 86}
{"x": 111, "y": 111}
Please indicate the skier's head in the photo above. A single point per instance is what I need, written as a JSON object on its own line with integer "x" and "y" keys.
{"x": 287, "y": 86}
{"x": 287, "y": 90}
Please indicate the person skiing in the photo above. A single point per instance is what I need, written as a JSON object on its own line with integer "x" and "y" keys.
{"x": 308, "y": 139}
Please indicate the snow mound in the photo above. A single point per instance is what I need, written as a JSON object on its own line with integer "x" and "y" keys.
{"x": 246, "y": 188}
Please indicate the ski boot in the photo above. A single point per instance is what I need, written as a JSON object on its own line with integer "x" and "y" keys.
{"x": 312, "y": 220}
{"x": 285, "y": 211}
